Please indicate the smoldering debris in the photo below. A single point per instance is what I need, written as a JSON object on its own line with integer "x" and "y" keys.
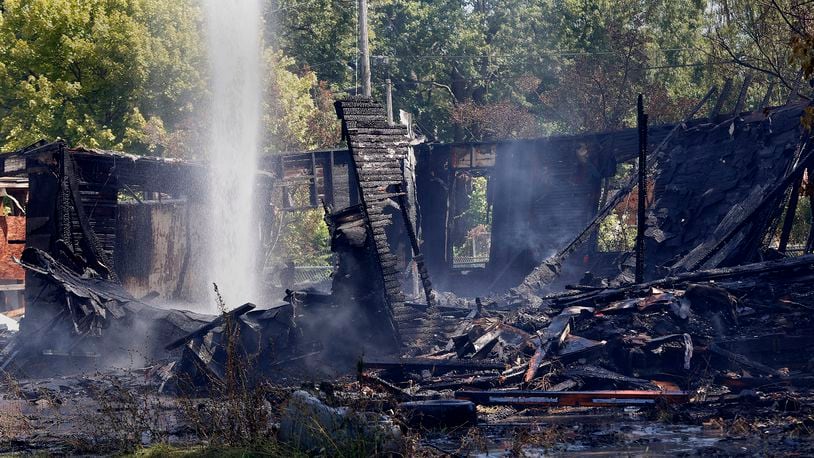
{"x": 677, "y": 332}
{"x": 94, "y": 323}
{"x": 717, "y": 336}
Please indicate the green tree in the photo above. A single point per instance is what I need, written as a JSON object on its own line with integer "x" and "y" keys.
{"x": 614, "y": 50}
{"x": 450, "y": 58}
{"x": 298, "y": 113}
{"x": 320, "y": 35}
{"x": 480, "y": 69}
{"x": 756, "y": 36}
{"x": 120, "y": 74}
{"x": 496, "y": 69}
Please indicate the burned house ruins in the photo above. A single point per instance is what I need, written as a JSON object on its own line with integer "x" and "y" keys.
{"x": 534, "y": 312}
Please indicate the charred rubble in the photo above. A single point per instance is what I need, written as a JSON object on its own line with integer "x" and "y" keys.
{"x": 716, "y": 310}
{"x": 714, "y": 314}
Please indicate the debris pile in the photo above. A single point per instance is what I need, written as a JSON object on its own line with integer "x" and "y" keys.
{"x": 719, "y": 318}
{"x": 729, "y": 327}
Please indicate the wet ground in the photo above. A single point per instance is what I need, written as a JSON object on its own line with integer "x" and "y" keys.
{"x": 96, "y": 414}
{"x": 85, "y": 414}
{"x": 628, "y": 432}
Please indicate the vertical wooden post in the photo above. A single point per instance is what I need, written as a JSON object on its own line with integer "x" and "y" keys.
{"x": 716, "y": 109}
{"x": 641, "y": 119}
{"x": 747, "y": 81}
{"x": 364, "y": 49}
{"x": 389, "y": 93}
{"x": 767, "y": 97}
{"x": 328, "y": 179}
{"x": 788, "y": 222}
{"x": 795, "y": 90}
{"x": 810, "y": 240}
{"x": 314, "y": 191}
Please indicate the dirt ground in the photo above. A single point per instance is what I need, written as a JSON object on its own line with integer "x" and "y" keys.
{"x": 118, "y": 411}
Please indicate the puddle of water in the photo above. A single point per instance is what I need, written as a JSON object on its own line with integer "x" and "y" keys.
{"x": 607, "y": 435}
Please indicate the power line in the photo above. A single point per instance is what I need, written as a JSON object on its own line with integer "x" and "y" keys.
{"x": 567, "y": 53}
{"x": 517, "y": 77}
{"x": 439, "y": 56}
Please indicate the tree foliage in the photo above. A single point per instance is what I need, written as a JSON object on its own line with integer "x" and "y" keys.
{"x": 320, "y": 35}
{"x": 487, "y": 69}
{"x": 100, "y": 73}
{"x": 298, "y": 113}
{"x": 502, "y": 69}
{"x": 130, "y": 74}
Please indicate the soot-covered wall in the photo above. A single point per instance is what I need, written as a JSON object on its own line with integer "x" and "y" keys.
{"x": 542, "y": 192}
{"x": 160, "y": 247}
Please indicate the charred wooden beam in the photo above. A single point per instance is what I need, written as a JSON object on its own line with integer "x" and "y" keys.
{"x": 788, "y": 221}
{"x": 782, "y": 267}
{"x": 622, "y": 398}
{"x": 433, "y": 365}
{"x": 767, "y": 96}
{"x": 716, "y": 109}
{"x": 549, "y": 341}
{"x": 200, "y": 332}
{"x": 641, "y": 119}
{"x": 417, "y": 256}
{"x": 810, "y": 240}
{"x": 747, "y": 81}
{"x": 743, "y": 360}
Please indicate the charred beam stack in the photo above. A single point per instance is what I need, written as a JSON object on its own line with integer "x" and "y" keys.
{"x": 378, "y": 149}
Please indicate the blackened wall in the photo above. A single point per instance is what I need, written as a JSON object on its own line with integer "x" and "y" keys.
{"x": 711, "y": 169}
{"x": 542, "y": 193}
{"x": 160, "y": 247}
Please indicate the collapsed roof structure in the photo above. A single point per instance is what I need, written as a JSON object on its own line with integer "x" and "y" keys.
{"x": 512, "y": 329}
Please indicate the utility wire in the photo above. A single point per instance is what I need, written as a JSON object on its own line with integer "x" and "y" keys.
{"x": 517, "y": 77}
{"x": 441, "y": 57}
{"x": 568, "y": 53}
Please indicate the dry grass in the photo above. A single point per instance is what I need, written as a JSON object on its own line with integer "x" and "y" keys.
{"x": 237, "y": 412}
{"x": 737, "y": 427}
{"x": 544, "y": 437}
{"x": 13, "y": 422}
{"x": 125, "y": 418}
{"x": 270, "y": 449}
{"x": 474, "y": 441}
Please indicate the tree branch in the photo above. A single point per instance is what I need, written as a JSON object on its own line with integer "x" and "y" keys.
{"x": 449, "y": 89}
{"x": 786, "y": 19}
